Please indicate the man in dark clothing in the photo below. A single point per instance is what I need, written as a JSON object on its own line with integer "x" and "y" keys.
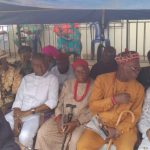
{"x": 24, "y": 65}
{"x": 144, "y": 75}
{"x": 105, "y": 62}
{"x": 6, "y": 135}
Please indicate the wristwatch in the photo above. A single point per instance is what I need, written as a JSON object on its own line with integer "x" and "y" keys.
{"x": 33, "y": 111}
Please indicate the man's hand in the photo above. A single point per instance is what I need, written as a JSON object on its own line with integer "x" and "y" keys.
{"x": 16, "y": 112}
{"x": 122, "y": 98}
{"x": 71, "y": 126}
{"x": 58, "y": 120}
{"x": 17, "y": 126}
{"x": 20, "y": 114}
{"x": 148, "y": 134}
{"x": 25, "y": 113}
{"x": 113, "y": 133}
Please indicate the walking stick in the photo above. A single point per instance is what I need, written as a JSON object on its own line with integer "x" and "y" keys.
{"x": 118, "y": 121}
{"x": 64, "y": 141}
{"x": 70, "y": 115}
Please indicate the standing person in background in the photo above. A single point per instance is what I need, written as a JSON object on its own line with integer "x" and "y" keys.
{"x": 30, "y": 36}
{"x": 105, "y": 62}
{"x": 63, "y": 70}
{"x": 69, "y": 38}
{"x": 24, "y": 65}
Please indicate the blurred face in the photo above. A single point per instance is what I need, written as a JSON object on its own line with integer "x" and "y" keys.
{"x": 107, "y": 56}
{"x": 63, "y": 66}
{"x": 81, "y": 74}
{"x": 25, "y": 57}
{"x": 131, "y": 69}
{"x": 39, "y": 67}
{"x": 48, "y": 60}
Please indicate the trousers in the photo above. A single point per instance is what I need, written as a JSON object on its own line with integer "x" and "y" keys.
{"x": 49, "y": 138}
{"x": 92, "y": 141}
{"x": 29, "y": 128}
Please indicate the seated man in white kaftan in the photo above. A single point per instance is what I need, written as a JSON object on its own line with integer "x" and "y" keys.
{"x": 144, "y": 123}
{"x": 37, "y": 93}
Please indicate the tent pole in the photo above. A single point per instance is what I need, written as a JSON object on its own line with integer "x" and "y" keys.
{"x": 127, "y": 34}
{"x": 102, "y": 26}
{"x": 19, "y": 35}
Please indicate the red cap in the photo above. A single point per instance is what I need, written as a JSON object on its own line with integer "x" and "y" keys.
{"x": 80, "y": 62}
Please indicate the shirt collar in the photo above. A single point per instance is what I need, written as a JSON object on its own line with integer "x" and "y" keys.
{"x": 43, "y": 76}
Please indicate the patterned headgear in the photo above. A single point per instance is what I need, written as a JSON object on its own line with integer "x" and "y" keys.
{"x": 126, "y": 57}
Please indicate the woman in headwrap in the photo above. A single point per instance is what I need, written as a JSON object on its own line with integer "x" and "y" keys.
{"x": 71, "y": 113}
{"x": 69, "y": 38}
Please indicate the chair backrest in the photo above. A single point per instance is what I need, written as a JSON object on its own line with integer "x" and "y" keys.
{"x": 94, "y": 27}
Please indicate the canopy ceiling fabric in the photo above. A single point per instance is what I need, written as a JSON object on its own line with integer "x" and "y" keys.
{"x": 64, "y": 11}
{"x": 83, "y": 4}
{"x": 15, "y": 14}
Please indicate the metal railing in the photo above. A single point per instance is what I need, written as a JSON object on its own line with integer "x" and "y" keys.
{"x": 130, "y": 34}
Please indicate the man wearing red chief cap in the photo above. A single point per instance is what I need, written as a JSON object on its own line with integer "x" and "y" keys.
{"x": 112, "y": 94}
{"x": 50, "y": 53}
{"x": 75, "y": 94}
{"x": 79, "y": 62}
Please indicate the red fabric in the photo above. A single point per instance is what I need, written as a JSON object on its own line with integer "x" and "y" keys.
{"x": 65, "y": 28}
{"x": 62, "y": 56}
{"x": 58, "y": 118}
{"x": 80, "y": 62}
{"x": 126, "y": 57}
{"x": 76, "y": 25}
{"x": 50, "y": 51}
{"x": 62, "y": 26}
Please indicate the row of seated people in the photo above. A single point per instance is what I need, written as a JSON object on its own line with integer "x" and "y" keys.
{"x": 71, "y": 91}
